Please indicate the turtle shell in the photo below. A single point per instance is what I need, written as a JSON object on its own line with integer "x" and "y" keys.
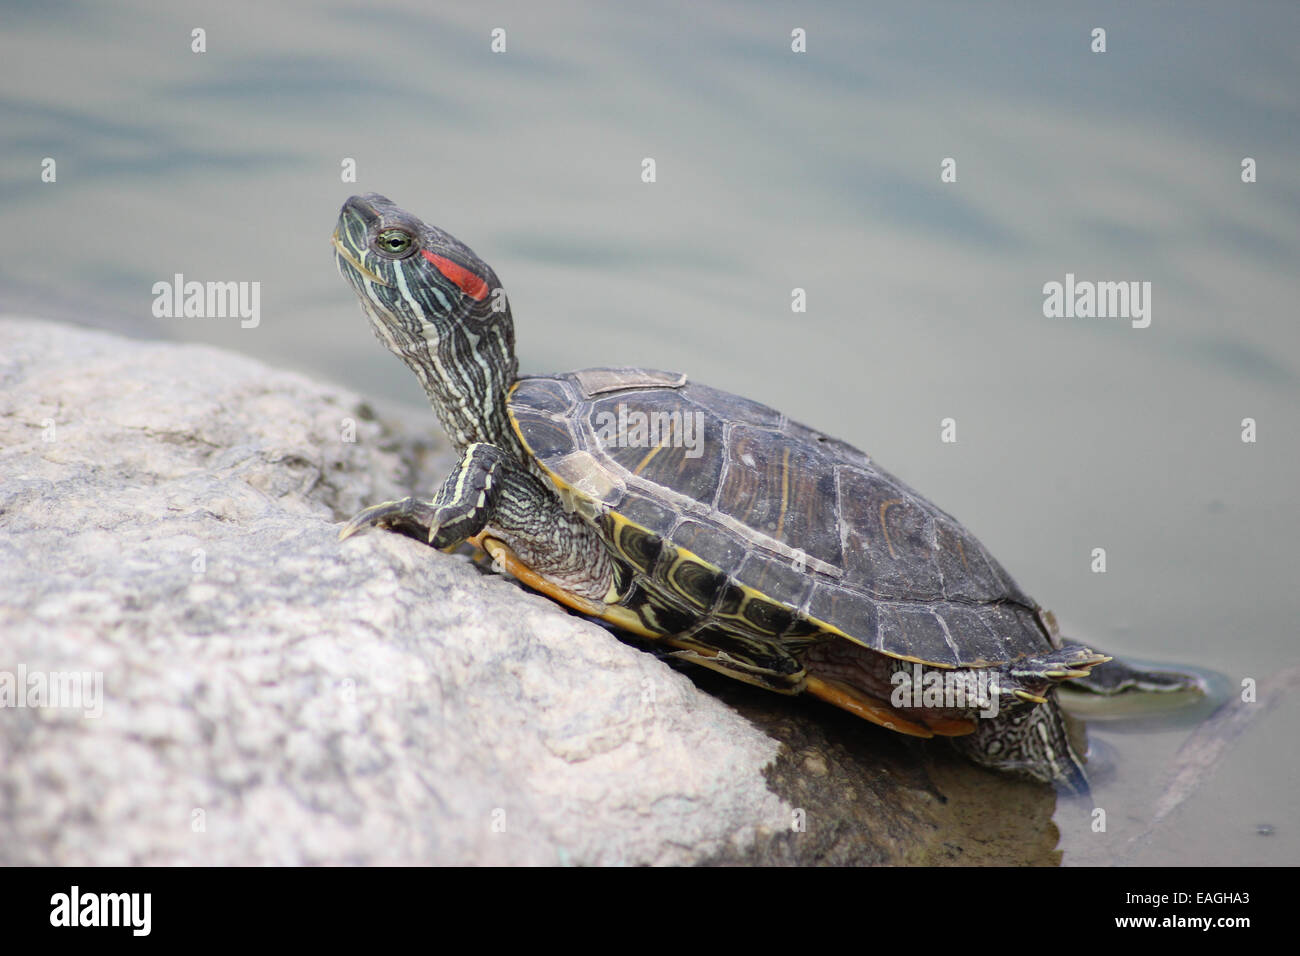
{"x": 808, "y": 521}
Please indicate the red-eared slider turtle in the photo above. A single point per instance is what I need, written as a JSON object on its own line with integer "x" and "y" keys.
{"x": 747, "y": 542}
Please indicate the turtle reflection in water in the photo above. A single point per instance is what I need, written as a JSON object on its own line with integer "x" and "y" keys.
{"x": 762, "y": 549}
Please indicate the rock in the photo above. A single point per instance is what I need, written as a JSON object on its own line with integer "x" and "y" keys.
{"x": 271, "y": 696}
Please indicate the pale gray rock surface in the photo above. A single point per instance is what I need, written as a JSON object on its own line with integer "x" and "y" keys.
{"x": 169, "y": 519}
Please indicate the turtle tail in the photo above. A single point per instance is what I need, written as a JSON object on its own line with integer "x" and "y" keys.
{"x": 1030, "y": 742}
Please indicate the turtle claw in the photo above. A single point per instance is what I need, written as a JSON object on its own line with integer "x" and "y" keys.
{"x": 409, "y": 516}
{"x": 352, "y": 527}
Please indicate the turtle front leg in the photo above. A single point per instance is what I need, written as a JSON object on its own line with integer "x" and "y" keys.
{"x": 459, "y": 510}
{"x": 495, "y": 500}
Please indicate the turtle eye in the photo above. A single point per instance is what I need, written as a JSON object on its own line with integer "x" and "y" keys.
{"x": 394, "y": 243}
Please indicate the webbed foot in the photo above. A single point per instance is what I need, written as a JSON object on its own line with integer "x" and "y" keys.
{"x": 1117, "y": 677}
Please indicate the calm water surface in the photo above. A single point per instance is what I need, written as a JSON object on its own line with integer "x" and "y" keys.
{"x": 777, "y": 170}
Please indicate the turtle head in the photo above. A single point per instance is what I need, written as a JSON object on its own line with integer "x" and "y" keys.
{"x": 438, "y": 307}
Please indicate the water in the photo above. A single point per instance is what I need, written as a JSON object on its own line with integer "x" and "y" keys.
{"x": 776, "y": 171}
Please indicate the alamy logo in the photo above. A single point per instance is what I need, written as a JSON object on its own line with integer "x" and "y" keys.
{"x": 633, "y": 428}
{"x": 102, "y": 909}
{"x": 1100, "y": 300}
{"x": 946, "y": 690}
{"x": 208, "y": 300}
{"x": 71, "y": 690}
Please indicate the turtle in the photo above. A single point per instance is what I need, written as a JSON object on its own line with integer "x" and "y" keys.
{"x": 712, "y": 525}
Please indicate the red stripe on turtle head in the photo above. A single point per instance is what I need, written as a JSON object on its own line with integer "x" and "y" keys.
{"x": 469, "y": 283}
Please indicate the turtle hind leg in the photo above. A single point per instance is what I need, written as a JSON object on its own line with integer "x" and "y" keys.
{"x": 1030, "y": 742}
{"x": 1029, "y": 679}
{"x": 1116, "y": 677}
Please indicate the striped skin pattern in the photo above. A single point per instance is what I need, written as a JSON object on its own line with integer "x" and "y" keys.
{"x": 766, "y": 550}
{"x": 462, "y": 350}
